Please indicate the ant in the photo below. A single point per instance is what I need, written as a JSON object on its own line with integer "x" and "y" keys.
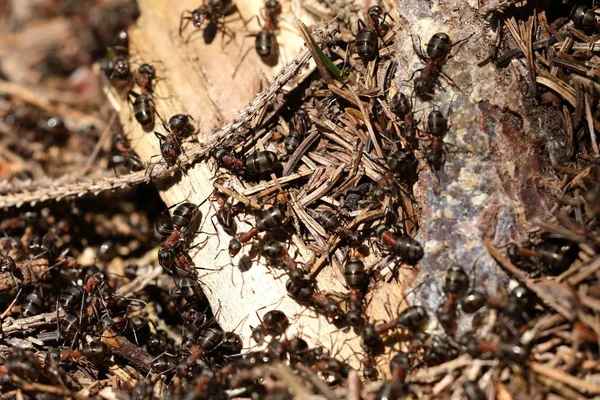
{"x": 179, "y": 125}
{"x": 32, "y": 305}
{"x": 512, "y": 351}
{"x": 438, "y": 49}
{"x": 357, "y": 280}
{"x": 412, "y": 318}
{"x": 144, "y": 77}
{"x": 213, "y": 11}
{"x": 299, "y": 125}
{"x": 127, "y": 156}
{"x": 8, "y": 264}
{"x": 276, "y": 251}
{"x": 170, "y": 148}
{"x": 265, "y": 42}
{"x": 552, "y": 255}
{"x": 437, "y": 124}
{"x": 117, "y": 68}
{"x": 159, "y": 343}
{"x": 258, "y": 163}
{"x": 143, "y": 109}
{"x": 23, "y": 364}
{"x": 303, "y": 290}
{"x": 96, "y": 350}
{"x": 584, "y": 18}
{"x": 274, "y": 323}
{"x": 227, "y": 212}
{"x": 456, "y": 284}
{"x": 267, "y": 220}
{"x": 183, "y": 218}
{"x": 402, "y": 107}
{"x": 404, "y": 246}
{"x": 367, "y": 39}
{"x": 401, "y": 163}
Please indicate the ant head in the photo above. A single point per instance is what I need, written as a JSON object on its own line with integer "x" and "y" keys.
{"x": 272, "y": 5}
{"x": 147, "y": 69}
{"x": 374, "y": 12}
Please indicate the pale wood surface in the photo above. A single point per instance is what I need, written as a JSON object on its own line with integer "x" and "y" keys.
{"x": 196, "y": 78}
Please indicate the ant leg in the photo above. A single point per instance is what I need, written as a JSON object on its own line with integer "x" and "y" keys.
{"x": 251, "y": 18}
{"x": 182, "y": 18}
{"x": 243, "y": 57}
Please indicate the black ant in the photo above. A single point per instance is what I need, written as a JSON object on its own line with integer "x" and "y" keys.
{"x": 299, "y": 125}
{"x": 456, "y": 284}
{"x": 584, "y": 18}
{"x": 126, "y": 155}
{"x": 214, "y": 12}
{"x": 367, "y": 39}
{"x": 265, "y": 43}
{"x": 438, "y": 49}
{"x": 118, "y": 68}
{"x": 170, "y": 148}
{"x": 267, "y": 220}
{"x": 552, "y": 255}
{"x": 402, "y": 163}
{"x": 178, "y": 231}
{"x": 8, "y": 264}
{"x": 32, "y": 305}
{"x": 412, "y": 318}
{"x": 357, "y": 280}
{"x": 404, "y": 246}
{"x": 274, "y": 323}
{"x": 144, "y": 77}
{"x": 437, "y": 124}
{"x": 303, "y": 290}
{"x": 402, "y": 107}
{"x": 179, "y": 125}
{"x": 258, "y": 163}
{"x": 143, "y": 109}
